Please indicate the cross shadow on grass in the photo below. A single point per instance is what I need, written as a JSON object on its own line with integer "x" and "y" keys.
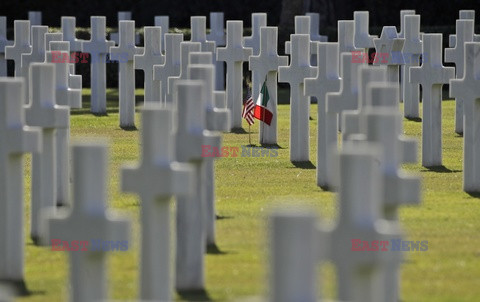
{"x": 303, "y": 164}
{"x": 194, "y": 295}
{"x": 414, "y": 119}
{"x": 86, "y": 110}
{"x": 218, "y": 217}
{"x": 238, "y": 131}
{"x": 213, "y": 249}
{"x": 129, "y": 128}
{"x": 272, "y": 146}
{"x": 474, "y": 194}
{"x": 19, "y": 288}
{"x": 440, "y": 169}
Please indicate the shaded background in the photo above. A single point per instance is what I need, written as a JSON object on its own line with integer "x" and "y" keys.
{"x": 382, "y": 12}
{"x": 436, "y": 16}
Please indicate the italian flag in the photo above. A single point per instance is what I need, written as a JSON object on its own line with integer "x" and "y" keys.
{"x": 261, "y": 112}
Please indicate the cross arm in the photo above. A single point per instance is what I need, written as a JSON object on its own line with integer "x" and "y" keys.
{"x": 24, "y": 140}
{"x": 218, "y": 119}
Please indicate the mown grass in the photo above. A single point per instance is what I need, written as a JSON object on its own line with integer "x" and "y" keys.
{"x": 248, "y": 187}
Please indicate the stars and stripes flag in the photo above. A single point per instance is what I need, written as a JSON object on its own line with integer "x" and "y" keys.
{"x": 247, "y": 113}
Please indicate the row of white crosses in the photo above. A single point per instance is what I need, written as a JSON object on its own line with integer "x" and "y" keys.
{"x": 3, "y": 43}
{"x": 217, "y": 120}
{"x": 369, "y": 195}
{"x": 467, "y": 89}
{"x": 298, "y": 243}
{"x": 67, "y": 85}
{"x": 87, "y": 219}
{"x": 193, "y": 185}
{"x": 18, "y": 140}
{"x": 455, "y": 54}
{"x": 432, "y": 75}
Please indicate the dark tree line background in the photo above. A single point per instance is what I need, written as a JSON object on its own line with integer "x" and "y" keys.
{"x": 436, "y": 16}
{"x": 382, "y": 12}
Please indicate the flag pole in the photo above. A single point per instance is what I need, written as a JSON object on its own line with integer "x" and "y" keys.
{"x": 249, "y": 138}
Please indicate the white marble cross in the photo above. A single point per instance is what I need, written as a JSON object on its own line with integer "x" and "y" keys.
{"x": 327, "y": 80}
{"x": 35, "y": 18}
{"x": 432, "y": 75}
{"x": 360, "y": 195}
{"x": 299, "y": 241}
{"x": 74, "y": 81}
{"x": 68, "y": 30}
{"x": 152, "y": 55}
{"x": 351, "y": 118}
{"x": 412, "y": 49}
{"x": 17, "y": 139}
{"x": 346, "y": 36}
{"x": 3, "y": 43}
{"x": 294, "y": 245}
{"x": 216, "y": 119}
{"x": 359, "y": 270}
{"x": 185, "y": 49}
{"x": 403, "y": 13}
{"x": 302, "y": 27}
{"x": 164, "y": 23}
{"x": 464, "y": 33}
{"x": 171, "y": 65}
{"x": 98, "y": 48}
{"x": 388, "y": 50}
{"x": 65, "y": 95}
{"x": 401, "y": 34}
{"x": 259, "y": 20}
{"x": 383, "y": 126}
{"x": 53, "y": 37}
{"x": 43, "y": 112}
{"x": 156, "y": 179}
{"x": 337, "y": 102}
{"x": 347, "y": 98}
{"x": 264, "y": 67}
{"x": 463, "y": 15}
{"x": 200, "y": 58}
{"x": 315, "y": 28}
{"x": 191, "y": 210}
{"x": 124, "y": 53}
{"x": 362, "y": 39}
{"x": 20, "y": 46}
{"x": 217, "y": 34}
{"x": 234, "y": 54}
{"x": 123, "y": 16}
{"x": 217, "y": 28}
{"x": 468, "y": 88}
{"x": 295, "y": 74}
{"x": 198, "y": 27}
{"x": 36, "y": 55}
{"x": 88, "y": 220}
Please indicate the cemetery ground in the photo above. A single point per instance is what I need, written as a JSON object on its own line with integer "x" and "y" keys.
{"x": 246, "y": 189}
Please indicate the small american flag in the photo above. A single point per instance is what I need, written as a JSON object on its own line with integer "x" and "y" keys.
{"x": 247, "y": 112}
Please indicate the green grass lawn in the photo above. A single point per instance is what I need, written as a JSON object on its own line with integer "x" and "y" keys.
{"x": 247, "y": 188}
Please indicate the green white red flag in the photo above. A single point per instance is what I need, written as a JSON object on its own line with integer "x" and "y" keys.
{"x": 261, "y": 112}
